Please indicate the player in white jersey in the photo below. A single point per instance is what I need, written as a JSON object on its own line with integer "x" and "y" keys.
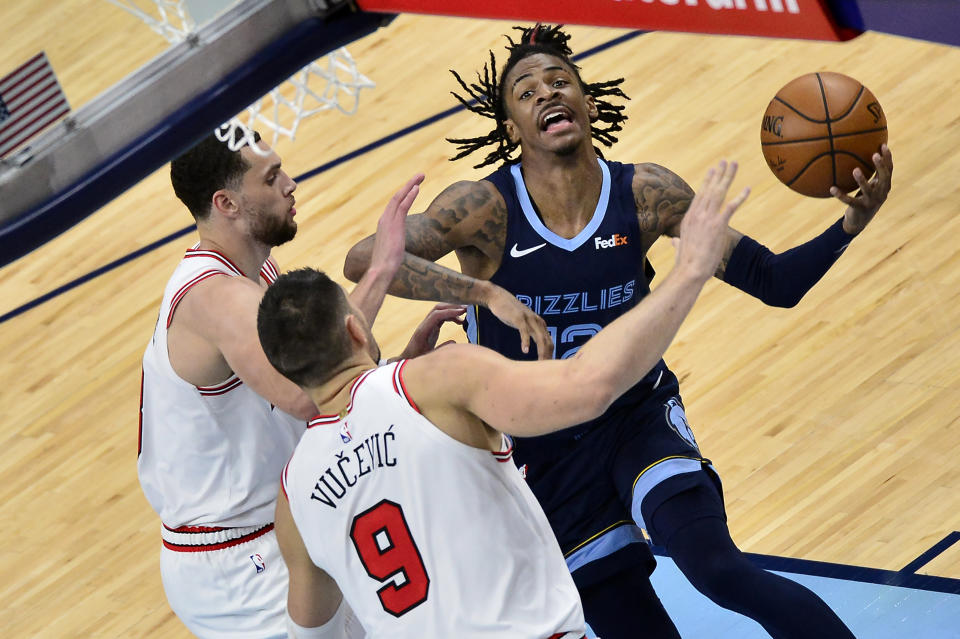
{"x": 397, "y": 501}
{"x": 217, "y": 422}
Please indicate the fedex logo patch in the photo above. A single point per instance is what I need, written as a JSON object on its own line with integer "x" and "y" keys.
{"x": 615, "y": 240}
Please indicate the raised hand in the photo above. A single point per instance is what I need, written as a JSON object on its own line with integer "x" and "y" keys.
{"x": 872, "y": 194}
{"x": 424, "y": 339}
{"x": 513, "y": 312}
{"x": 388, "y": 246}
{"x": 388, "y": 251}
{"x": 703, "y": 231}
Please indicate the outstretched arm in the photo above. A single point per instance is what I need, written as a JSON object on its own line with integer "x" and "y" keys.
{"x": 783, "y": 279}
{"x": 386, "y": 252}
{"x": 455, "y": 385}
{"x": 469, "y": 218}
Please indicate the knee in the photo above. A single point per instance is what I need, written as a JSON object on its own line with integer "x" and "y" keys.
{"x": 715, "y": 571}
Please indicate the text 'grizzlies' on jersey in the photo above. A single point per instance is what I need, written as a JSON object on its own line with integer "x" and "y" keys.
{"x": 607, "y": 279}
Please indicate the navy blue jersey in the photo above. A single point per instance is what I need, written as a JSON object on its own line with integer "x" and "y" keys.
{"x": 577, "y": 285}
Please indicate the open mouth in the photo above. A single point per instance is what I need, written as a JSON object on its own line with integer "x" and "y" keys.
{"x": 555, "y": 118}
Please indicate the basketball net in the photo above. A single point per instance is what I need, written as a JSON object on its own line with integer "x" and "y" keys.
{"x": 331, "y": 82}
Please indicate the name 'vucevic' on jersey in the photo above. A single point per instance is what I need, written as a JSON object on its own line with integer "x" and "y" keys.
{"x": 578, "y": 285}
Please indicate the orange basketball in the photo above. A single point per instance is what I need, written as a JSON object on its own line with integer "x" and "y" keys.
{"x": 820, "y": 127}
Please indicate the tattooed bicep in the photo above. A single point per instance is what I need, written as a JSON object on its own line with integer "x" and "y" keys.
{"x": 661, "y": 196}
{"x": 427, "y": 236}
{"x": 466, "y": 214}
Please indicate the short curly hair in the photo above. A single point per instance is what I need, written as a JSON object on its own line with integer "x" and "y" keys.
{"x": 205, "y": 169}
{"x": 486, "y": 96}
{"x": 301, "y": 329}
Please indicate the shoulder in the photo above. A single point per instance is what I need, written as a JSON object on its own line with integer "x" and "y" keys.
{"x": 437, "y": 377}
{"x": 220, "y": 301}
{"x": 650, "y": 175}
{"x": 661, "y": 197}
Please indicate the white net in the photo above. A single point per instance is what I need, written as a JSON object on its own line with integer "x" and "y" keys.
{"x": 169, "y": 18}
{"x": 329, "y": 83}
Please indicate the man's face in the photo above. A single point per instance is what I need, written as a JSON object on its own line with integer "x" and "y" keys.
{"x": 266, "y": 198}
{"x": 546, "y": 106}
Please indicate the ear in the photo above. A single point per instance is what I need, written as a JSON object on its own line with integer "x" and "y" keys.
{"x": 511, "y": 130}
{"x": 355, "y": 330}
{"x": 225, "y": 202}
{"x": 592, "y": 112}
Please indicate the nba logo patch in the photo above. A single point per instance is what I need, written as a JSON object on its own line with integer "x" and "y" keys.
{"x": 523, "y": 471}
{"x": 258, "y": 562}
{"x": 345, "y": 435}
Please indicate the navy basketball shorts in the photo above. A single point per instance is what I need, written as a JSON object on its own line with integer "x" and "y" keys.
{"x": 599, "y": 483}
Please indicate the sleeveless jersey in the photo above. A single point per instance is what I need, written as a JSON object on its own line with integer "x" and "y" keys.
{"x": 578, "y": 285}
{"x": 208, "y": 455}
{"x": 426, "y": 536}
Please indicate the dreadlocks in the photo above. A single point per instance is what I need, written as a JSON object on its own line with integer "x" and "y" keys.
{"x": 485, "y": 96}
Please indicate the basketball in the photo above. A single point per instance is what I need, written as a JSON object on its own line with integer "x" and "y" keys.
{"x": 820, "y": 127}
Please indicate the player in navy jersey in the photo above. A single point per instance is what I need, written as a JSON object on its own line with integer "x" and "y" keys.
{"x": 567, "y": 233}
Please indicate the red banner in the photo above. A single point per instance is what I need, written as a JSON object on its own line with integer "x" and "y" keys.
{"x": 806, "y": 19}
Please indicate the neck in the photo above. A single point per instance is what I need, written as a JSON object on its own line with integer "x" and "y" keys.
{"x": 333, "y": 396}
{"x": 565, "y": 188}
{"x": 247, "y": 254}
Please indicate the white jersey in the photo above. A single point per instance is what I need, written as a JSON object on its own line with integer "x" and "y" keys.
{"x": 208, "y": 456}
{"x": 426, "y": 536}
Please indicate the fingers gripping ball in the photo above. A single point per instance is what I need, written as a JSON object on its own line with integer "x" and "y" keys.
{"x": 818, "y": 129}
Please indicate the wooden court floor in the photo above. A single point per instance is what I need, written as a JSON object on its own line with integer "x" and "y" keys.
{"x": 835, "y": 425}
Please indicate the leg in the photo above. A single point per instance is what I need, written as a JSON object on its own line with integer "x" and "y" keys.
{"x": 237, "y": 592}
{"x": 701, "y": 546}
{"x": 610, "y": 564}
{"x": 623, "y": 605}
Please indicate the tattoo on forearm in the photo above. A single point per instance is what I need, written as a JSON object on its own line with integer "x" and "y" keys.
{"x": 421, "y": 279}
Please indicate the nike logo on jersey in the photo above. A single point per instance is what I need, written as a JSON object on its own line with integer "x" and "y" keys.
{"x": 515, "y": 252}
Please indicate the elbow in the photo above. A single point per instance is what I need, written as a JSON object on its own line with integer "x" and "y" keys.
{"x": 783, "y": 300}
{"x": 599, "y": 393}
{"x": 357, "y": 261}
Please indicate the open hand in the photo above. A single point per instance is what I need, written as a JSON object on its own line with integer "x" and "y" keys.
{"x": 424, "y": 339}
{"x": 872, "y": 194}
{"x": 515, "y": 313}
{"x": 388, "y": 247}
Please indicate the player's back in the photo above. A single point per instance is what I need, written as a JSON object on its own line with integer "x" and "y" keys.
{"x": 426, "y": 536}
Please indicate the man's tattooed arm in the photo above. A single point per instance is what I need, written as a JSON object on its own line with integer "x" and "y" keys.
{"x": 467, "y": 217}
{"x": 662, "y": 198}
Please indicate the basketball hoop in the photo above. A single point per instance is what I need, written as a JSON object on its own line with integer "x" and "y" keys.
{"x": 332, "y": 82}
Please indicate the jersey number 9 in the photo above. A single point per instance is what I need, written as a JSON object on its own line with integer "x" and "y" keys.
{"x": 389, "y": 554}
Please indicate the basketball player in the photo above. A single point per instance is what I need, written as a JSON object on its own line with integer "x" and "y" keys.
{"x": 567, "y": 232}
{"x": 217, "y": 422}
{"x": 401, "y": 496}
